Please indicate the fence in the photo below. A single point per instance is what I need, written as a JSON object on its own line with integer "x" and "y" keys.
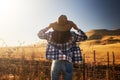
{"x": 104, "y": 70}
{"x": 32, "y": 69}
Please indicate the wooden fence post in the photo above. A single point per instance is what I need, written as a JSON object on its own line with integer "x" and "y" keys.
{"x": 94, "y": 57}
{"x": 83, "y": 66}
{"x": 94, "y": 64}
{"x": 108, "y": 65}
{"x": 113, "y": 68}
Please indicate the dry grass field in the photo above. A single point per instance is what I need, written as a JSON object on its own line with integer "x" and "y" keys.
{"x": 38, "y": 52}
{"x": 32, "y": 59}
{"x": 101, "y": 50}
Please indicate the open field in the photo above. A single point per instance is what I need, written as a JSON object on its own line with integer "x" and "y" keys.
{"x": 29, "y": 63}
{"x": 22, "y": 69}
{"x": 101, "y": 51}
{"x": 38, "y": 52}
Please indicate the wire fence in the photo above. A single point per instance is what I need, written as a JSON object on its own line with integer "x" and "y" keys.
{"x": 12, "y": 68}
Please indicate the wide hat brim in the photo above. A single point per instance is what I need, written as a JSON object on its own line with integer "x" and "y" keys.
{"x": 62, "y": 28}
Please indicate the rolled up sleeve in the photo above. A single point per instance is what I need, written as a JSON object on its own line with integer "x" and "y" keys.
{"x": 43, "y": 35}
{"x": 81, "y": 36}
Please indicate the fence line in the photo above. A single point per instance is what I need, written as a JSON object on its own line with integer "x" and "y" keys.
{"x": 23, "y": 69}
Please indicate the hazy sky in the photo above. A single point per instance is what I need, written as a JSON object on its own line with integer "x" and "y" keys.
{"x": 20, "y": 20}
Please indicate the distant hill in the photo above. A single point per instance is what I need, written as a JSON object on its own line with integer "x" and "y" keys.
{"x": 96, "y": 36}
{"x": 104, "y": 36}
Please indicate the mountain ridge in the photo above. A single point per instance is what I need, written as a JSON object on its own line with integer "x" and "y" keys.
{"x": 104, "y": 36}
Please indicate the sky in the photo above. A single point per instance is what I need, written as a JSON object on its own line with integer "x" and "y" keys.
{"x": 21, "y": 20}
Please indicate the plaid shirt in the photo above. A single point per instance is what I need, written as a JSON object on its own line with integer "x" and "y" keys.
{"x": 69, "y": 51}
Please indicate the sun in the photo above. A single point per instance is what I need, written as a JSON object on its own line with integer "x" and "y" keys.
{"x": 4, "y": 4}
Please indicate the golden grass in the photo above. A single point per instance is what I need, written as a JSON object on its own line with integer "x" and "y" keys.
{"x": 87, "y": 48}
{"x": 101, "y": 51}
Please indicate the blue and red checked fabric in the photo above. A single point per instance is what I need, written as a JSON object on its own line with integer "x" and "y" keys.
{"x": 69, "y": 51}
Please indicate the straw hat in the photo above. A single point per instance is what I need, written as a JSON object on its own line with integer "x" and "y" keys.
{"x": 62, "y": 24}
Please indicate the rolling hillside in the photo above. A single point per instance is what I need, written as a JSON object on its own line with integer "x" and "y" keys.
{"x": 103, "y": 36}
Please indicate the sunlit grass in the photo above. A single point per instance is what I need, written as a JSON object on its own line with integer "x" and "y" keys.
{"x": 34, "y": 54}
